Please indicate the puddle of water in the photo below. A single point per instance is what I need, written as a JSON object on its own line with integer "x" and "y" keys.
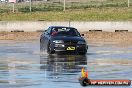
{"x": 23, "y": 66}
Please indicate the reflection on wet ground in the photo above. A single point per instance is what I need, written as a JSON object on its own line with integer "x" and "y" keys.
{"x": 23, "y": 66}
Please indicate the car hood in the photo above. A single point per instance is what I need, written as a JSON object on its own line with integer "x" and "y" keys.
{"x": 67, "y": 38}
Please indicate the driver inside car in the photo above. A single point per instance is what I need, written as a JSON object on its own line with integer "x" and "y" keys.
{"x": 54, "y": 31}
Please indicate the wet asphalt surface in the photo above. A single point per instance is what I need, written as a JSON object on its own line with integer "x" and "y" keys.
{"x": 23, "y": 66}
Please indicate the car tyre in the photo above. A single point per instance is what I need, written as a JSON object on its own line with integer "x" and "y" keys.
{"x": 82, "y": 53}
{"x": 49, "y": 50}
{"x": 41, "y": 47}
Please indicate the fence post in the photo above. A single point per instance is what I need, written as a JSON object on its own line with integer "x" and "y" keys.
{"x": 128, "y": 3}
{"x": 69, "y": 23}
{"x": 30, "y": 6}
{"x": 64, "y": 5}
{"x": 13, "y": 7}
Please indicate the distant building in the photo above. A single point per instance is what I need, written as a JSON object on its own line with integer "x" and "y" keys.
{"x": 31, "y": 0}
{"x": 13, "y": 1}
{"x": 3, "y": 0}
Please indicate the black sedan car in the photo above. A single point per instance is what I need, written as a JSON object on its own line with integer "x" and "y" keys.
{"x": 59, "y": 39}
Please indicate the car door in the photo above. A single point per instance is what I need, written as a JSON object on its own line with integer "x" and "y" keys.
{"x": 47, "y": 37}
{"x": 42, "y": 40}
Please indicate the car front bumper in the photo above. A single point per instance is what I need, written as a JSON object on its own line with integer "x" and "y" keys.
{"x": 72, "y": 48}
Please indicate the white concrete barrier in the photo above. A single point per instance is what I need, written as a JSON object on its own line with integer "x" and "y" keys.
{"x": 81, "y": 26}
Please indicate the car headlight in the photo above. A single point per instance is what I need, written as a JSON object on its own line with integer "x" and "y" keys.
{"x": 81, "y": 42}
{"x": 58, "y": 41}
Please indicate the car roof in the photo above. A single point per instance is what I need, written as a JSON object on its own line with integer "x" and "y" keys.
{"x": 61, "y": 26}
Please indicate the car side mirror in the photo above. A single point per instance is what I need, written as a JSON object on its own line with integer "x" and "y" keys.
{"x": 82, "y": 34}
{"x": 45, "y": 30}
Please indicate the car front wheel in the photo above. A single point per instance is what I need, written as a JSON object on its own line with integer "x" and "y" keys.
{"x": 49, "y": 49}
{"x": 82, "y": 53}
{"x": 41, "y": 47}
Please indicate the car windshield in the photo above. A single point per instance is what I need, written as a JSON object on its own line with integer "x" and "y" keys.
{"x": 63, "y": 31}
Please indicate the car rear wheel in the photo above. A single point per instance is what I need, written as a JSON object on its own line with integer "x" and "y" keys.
{"x": 49, "y": 49}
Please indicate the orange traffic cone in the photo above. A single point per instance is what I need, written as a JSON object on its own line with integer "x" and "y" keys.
{"x": 84, "y": 74}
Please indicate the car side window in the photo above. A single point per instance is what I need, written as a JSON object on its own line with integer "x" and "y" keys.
{"x": 48, "y": 31}
{"x": 77, "y": 32}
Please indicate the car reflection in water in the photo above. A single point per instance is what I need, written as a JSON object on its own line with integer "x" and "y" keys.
{"x": 62, "y": 66}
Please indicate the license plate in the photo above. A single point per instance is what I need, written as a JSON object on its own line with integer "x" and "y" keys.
{"x": 70, "y": 48}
